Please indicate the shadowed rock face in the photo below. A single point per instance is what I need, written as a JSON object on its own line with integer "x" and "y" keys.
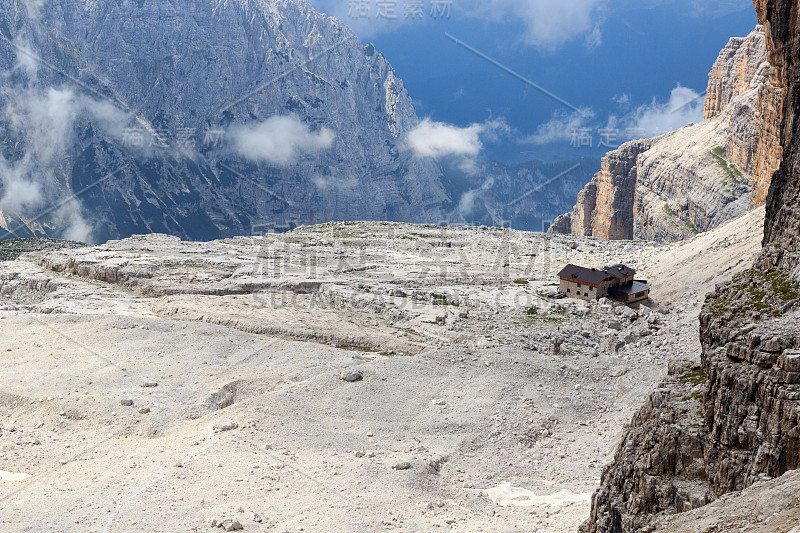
{"x": 782, "y": 235}
{"x": 696, "y": 178}
{"x": 177, "y": 70}
{"x": 680, "y": 453}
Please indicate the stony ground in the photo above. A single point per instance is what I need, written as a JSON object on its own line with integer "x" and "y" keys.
{"x": 766, "y": 507}
{"x": 345, "y": 377}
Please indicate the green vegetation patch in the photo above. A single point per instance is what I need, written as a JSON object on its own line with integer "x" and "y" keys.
{"x": 442, "y": 299}
{"x": 772, "y": 289}
{"x": 719, "y": 155}
{"x": 782, "y": 285}
{"x": 697, "y": 396}
{"x": 693, "y": 378}
{"x": 720, "y": 307}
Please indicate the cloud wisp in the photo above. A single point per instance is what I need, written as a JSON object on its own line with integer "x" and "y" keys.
{"x": 441, "y": 141}
{"x": 41, "y": 124}
{"x": 549, "y": 24}
{"x": 684, "y": 106}
{"x": 546, "y": 24}
{"x": 279, "y": 140}
{"x": 560, "y": 128}
{"x": 438, "y": 139}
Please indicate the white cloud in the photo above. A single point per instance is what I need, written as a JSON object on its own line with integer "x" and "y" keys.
{"x": 43, "y": 123}
{"x": 25, "y": 59}
{"x": 560, "y": 128}
{"x": 279, "y": 140}
{"x": 549, "y": 23}
{"x": 469, "y": 200}
{"x": 76, "y": 228}
{"x": 18, "y": 194}
{"x": 437, "y": 139}
{"x": 34, "y": 8}
{"x": 684, "y": 106}
{"x": 621, "y": 99}
{"x": 595, "y": 38}
{"x": 106, "y": 116}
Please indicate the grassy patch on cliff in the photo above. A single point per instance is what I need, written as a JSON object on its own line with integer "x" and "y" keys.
{"x": 719, "y": 154}
{"x": 688, "y": 224}
{"x": 720, "y": 307}
{"x": 691, "y": 227}
{"x": 771, "y": 292}
{"x": 693, "y": 378}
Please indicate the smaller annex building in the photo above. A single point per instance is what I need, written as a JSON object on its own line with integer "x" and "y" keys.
{"x": 615, "y": 281}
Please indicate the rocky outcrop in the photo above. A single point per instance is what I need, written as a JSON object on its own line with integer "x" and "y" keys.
{"x": 659, "y": 464}
{"x": 700, "y": 176}
{"x": 605, "y": 206}
{"x": 766, "y": 507}
{"x": 733, "y": 71}
{"x": 748, "y": 426}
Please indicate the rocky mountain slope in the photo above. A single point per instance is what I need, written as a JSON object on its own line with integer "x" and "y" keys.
{"x": 199, "y": 119}
{"x": 342, "y": 377}
{"x": 740, "y": 424}
{"x": 671, "y": 187}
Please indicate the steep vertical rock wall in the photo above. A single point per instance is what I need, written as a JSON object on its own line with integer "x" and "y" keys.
{"x": 769, "y": 151}
{"x": 782, "y": 232}
{"x": 680, "y": 453}
{"x": 733, "y": 71}
{"x": 605, "y": 206}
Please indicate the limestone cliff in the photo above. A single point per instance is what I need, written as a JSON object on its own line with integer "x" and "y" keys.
{"x": 742, "y": 67}
{"x": 735, "y": 419}
{"x": 733, "y": 71}
{"x": 605, "y": 206}
{"x": 700, "y": 176}
{"x": 768, "y": 145}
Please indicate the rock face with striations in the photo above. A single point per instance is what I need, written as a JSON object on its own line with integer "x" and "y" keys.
{"x": 605, "y": 206}
{"x": 692, "y": 180}
{"x": 732, "y": 73}
{"x": 156, "y": 114}
{"x": 676, "y": 457}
